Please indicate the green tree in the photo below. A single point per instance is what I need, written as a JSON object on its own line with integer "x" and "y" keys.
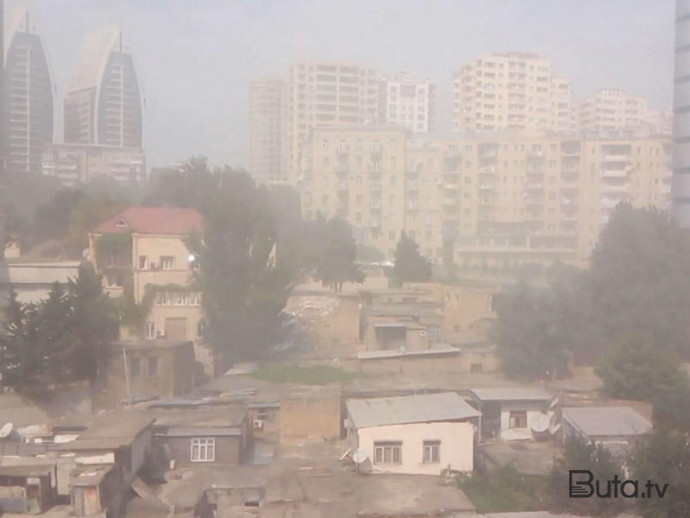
{"x": 92, "y": 322}
{"x": 664, "y": 458}
{"x": 243, "y": 290}
{"x": 526, "y": 334}
{"x": 631, "y": 369}
{"x": 578, "y": 454}
{"x": 640, "y": 279}
{"x": 410, "y": 265}
{"x": 13, "y": 346}
{"x": 337, "y": 253}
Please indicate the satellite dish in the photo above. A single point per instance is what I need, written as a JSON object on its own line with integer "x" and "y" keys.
{"x": 5, "y": 430}
{"x": 360, "y": 456}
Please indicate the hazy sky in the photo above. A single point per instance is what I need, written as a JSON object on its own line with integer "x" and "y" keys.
{"x": 195, "y": 58}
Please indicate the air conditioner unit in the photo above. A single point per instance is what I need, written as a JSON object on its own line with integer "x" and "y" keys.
{"x": 258, "y": 424}
{"x": 161, "y": 334}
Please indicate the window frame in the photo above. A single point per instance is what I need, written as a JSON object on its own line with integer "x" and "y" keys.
{"x": 388, "y": 449}
{"x": 431, "y": 451}
{"x": 517, "y": 415}
{"x": 167, "y": 262}
{"x": 203, "y": 446}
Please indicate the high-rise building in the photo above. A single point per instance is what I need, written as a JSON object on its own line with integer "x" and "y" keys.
{"x": 681, "y": 115}
{"x": 495, "y": 201}
{"x": 327, "y": 95}
{"x": 406, "y": 101}
{"x": 2, "y": 89}
{"x": 103, "y": 102}
{"x": 511, "y": 91}
{"x": 611, "y": 111}
{"x": 28, "y": 97}
{"x": 268, "y": 111}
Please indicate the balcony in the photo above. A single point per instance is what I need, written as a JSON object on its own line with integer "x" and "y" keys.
{"x": 615, "y": 173}
{"x": 616, "y": 158}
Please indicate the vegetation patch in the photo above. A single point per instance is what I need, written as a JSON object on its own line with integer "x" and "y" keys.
{"x": 504, "y": 490}
{"x": 309, "y": 375}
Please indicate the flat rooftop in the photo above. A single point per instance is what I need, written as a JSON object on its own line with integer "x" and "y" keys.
{"x": 426, "y": 408}
{"x": 611, "y": 421}
{"x": 110, "y": 431}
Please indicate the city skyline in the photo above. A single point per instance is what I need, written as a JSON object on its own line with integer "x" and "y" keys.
{"x": 268, "y": 37}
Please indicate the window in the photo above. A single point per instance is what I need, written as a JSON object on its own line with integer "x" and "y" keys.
{"x": 135, "y": 367}
{"x": 203, "y": 450}
{"x": 195, "y": 299}
{"x": 142, "y": 262}
{"x": 388, "y": 453}
{"x": 150, "y": 330}
{"x": 179, "y": 298}
{"x": 432, "y": 452}
{"x": 518, "y": 419}
{"x": 167, "y": 262}
{"x": 152, "y": 366}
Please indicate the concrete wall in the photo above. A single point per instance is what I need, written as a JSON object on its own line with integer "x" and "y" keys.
{"x": 461, "y": 364}
{"x": 456, "y": 449}
{"x": 175, "y": 377}
{"x": 315, "y": 415}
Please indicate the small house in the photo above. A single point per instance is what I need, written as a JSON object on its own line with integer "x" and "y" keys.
{"x": 512, "y": 413}
{"x": 420, "y": 434}
{"x": 614, "y": 427}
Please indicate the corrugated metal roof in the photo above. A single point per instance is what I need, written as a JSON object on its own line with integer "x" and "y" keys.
{"x": 445, "y": 406}
{"x": 511, "y": 394}
{"x": 607, "y": 421}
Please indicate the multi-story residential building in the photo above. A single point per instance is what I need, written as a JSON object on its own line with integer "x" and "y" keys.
{"x": 103, "y": 102}
{"x": 143, "y": 256}
{"x": 407, "y": 101}
{"x": 73, "y": 164}
{"x": 681, "y": 114}
{"x": 357, "y": 174}
{"x": 322, "y": 94}
{"x": 612, "y": 111}
{"x": 511, "y": 91}
{"x": 28, "y": 97}
{"x": 492, "y": 201}
{"x": 268, "y": 112}
{"x": 3, "y": 146}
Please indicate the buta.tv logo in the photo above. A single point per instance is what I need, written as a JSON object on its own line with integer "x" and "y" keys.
{"x": 583, "y": 485}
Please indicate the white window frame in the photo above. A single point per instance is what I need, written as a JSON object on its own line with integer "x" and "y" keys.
{"x": 385, "y": 452}
{"x": 151, "y": 330}
{"x": 202, "y": 449}
{"x": 432, "y": 452}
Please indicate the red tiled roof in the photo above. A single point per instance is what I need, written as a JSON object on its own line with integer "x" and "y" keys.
{"x": 152, "y": 220}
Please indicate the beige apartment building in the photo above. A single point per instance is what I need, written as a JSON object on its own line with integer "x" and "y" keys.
{"x": 143, "y": 256}
{"x": 511, "y": 91}
{"x": 610, "y": 111}
{"x": 482, "y": 202}
{"x": 327, "y": 94}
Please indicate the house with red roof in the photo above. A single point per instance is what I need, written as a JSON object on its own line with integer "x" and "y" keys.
{"x": 143, "y": 254}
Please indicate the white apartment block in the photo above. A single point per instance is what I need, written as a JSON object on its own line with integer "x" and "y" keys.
{"x": 612, "y": 111}
{"x": 407, "y": 102}
{"x": 511, "y": 91}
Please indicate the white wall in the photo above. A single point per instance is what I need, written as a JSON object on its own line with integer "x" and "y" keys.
{"x": 456, "y": 451}
{"x": 533, "y": 410}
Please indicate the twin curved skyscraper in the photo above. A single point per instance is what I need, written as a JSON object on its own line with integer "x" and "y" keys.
{"x": 102, "y": 104}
